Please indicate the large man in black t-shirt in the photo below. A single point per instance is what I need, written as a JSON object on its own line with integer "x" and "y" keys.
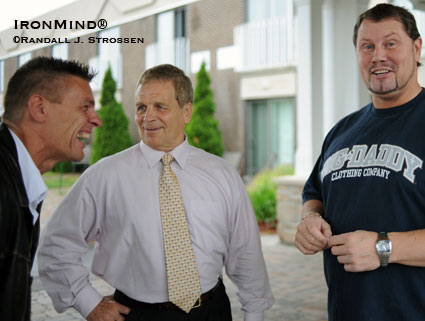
{"x": 364, "y": 203}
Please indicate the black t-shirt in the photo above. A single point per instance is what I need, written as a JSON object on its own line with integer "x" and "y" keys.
{"x": 370, "y": 176}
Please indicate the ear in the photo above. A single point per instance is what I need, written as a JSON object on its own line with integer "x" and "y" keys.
{"x": 187, "y": 112}
{"x": 36, "y": 106}
{"x": 417, "y": 47}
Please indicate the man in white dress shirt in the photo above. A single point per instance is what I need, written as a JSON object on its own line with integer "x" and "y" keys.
{"x": 116, "y": 204}
{"x": 49, "y": 109}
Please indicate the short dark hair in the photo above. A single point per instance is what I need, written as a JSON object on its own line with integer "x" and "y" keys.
{"x": 182, "y": 83}
{"x": 388, "y": 11}
{"x": 44, "y": 75}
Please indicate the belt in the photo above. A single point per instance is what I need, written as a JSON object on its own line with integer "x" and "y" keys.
{"x": 169, "y": 306}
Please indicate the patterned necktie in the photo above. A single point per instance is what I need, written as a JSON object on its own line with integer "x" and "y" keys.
{"x": 182, "y": 273}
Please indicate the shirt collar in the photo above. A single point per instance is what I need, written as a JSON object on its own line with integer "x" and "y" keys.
{"x": 34, "y": 184}
{"x": 180, "y": 154}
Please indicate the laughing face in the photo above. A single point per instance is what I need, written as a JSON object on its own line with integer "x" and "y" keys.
{"x": 159, "y": 117}
{"x": 73, "y": 120}
{"x": 387, "y": 59}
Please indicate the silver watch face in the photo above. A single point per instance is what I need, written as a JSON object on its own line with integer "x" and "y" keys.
{"x": 384, "y": 247}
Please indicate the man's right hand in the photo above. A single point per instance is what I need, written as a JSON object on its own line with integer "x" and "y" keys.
{"x": 108, "y": 310}
{"x": 312, "y": 235}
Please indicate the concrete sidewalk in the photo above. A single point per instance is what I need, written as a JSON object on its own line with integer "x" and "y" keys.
{"x": 297, "y": 281}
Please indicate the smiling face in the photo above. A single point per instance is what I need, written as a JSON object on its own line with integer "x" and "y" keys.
{"x": 387, "y": 59}
{"x": 72, "y": 120}
{"x": 159, "y": 117}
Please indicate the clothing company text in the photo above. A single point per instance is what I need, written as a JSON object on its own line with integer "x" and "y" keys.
{"x": 377, "y": 160}
{"x": 360, "y": 172}
{"x": 61, "y": 24}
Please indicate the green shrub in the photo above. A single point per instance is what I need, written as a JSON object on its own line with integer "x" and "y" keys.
{"x": 113, "y": 136}
{"x": 55, "y": 180}
{"x": 64, "y": 167}
{"x": 202, "y": 131}
{"x": 262, "y": 192}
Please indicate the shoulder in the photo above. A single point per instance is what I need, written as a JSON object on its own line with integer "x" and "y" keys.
{"x": 213, "y": 166}
{"x": 118, "y": 159}
{"x": 352, "y": 120}
{"x": 10, "y": 175}
{"x": 110, "y": 166}
{"x": 209, "y": 160}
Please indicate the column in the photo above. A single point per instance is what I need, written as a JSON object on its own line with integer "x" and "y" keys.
{"x": 343, "y": 89}
{"x": 309, "y": 85}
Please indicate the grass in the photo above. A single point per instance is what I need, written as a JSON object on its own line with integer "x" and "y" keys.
{"x": 54, "y": 180}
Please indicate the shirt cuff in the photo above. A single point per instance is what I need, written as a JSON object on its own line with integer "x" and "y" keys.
{"x": 87, "y": 300}
{"x": 254, "y": 316}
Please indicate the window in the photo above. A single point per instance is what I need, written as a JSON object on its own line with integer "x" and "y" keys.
{"x": 165, "y": 36}
{"x": 1, "y": 85}
{"x": 171, "y": 25}
{"x": 108, "y": 54}
{"x": 1, "y": 76}
{"x": 22, "y": 59}
{"x": 180, "y": 23}
{"x": 264, "y": 9}
{"x": 270, "y": 134}
{"x": 60, "y": 51}
{"x": 171, "y": 45}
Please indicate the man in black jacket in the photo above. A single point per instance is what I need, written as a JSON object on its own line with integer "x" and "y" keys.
{"x": 49, "y": 113}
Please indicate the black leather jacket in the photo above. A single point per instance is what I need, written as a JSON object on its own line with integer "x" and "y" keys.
{"x": 18, "y": 235}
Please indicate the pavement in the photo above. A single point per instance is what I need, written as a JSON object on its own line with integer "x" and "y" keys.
{"x": 297, "y": 282}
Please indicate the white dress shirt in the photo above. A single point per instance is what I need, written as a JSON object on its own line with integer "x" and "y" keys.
{"x": 116, "y": 203}
{"x": 34, "y": 185}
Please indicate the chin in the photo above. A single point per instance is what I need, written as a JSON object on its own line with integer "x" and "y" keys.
{"x": 76, "y": 157}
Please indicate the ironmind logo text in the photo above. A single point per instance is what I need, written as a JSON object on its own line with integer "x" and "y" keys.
{"x": 61, "y": 24}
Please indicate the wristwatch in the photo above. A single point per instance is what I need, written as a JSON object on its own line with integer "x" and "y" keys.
{"x": 383, "y": 248}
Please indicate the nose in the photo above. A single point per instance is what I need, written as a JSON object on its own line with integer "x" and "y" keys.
{"x": 149, "y": 114}
{"x": 95, "y": 120}
{"x": 379, "y": 54}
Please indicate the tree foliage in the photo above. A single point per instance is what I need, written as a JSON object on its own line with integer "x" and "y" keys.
{"x": 203, "y": 131}
{"x": 113, "y": 136}
{"x": 262, "y": 192}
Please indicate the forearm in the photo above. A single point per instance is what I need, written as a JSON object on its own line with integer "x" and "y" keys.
{"x": 63, "y": 244}
{"x": 312, "y": 206}
{"x": 408, "y": 247}
{"x": 245, "y": 264}
{"x": 247, "y": 270}
{"x": 66, "y": 283}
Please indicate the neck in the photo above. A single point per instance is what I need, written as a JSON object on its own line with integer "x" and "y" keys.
{"x": 34, "y": 145}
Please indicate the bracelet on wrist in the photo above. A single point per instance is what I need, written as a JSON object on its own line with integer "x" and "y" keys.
{"x": 310, "y": 213}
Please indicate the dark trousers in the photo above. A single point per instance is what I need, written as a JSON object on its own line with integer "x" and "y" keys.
{"x": 216, "y": 308}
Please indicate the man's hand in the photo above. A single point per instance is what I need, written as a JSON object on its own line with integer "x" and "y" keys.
{"x": 312, "y": 235}
{"x": 356, "y": 250}
{"x": 108, "y": 310}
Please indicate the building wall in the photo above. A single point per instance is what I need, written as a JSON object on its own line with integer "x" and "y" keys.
{"x": 210, "y": 26}
{"x": 134, "y": 65}
{"x": 82, "y": 52}
{"x": 10, "y": 66}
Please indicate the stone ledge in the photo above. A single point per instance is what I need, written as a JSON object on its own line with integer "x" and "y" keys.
{"x": 288, "y": 207}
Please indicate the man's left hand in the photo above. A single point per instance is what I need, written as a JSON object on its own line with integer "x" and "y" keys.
{"x": 356, "y": 250}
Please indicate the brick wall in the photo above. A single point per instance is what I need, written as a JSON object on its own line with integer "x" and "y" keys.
{"x": 134, "y": 65}
{"x": 210, "y": 26}
{"x": 289, "y": 204}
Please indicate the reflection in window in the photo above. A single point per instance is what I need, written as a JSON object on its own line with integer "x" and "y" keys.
{"x": 108, "y": 54}
{"x": 60, "y": 51}
{"x": 22, "y": 59}
{"x": 270, "y": 133}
